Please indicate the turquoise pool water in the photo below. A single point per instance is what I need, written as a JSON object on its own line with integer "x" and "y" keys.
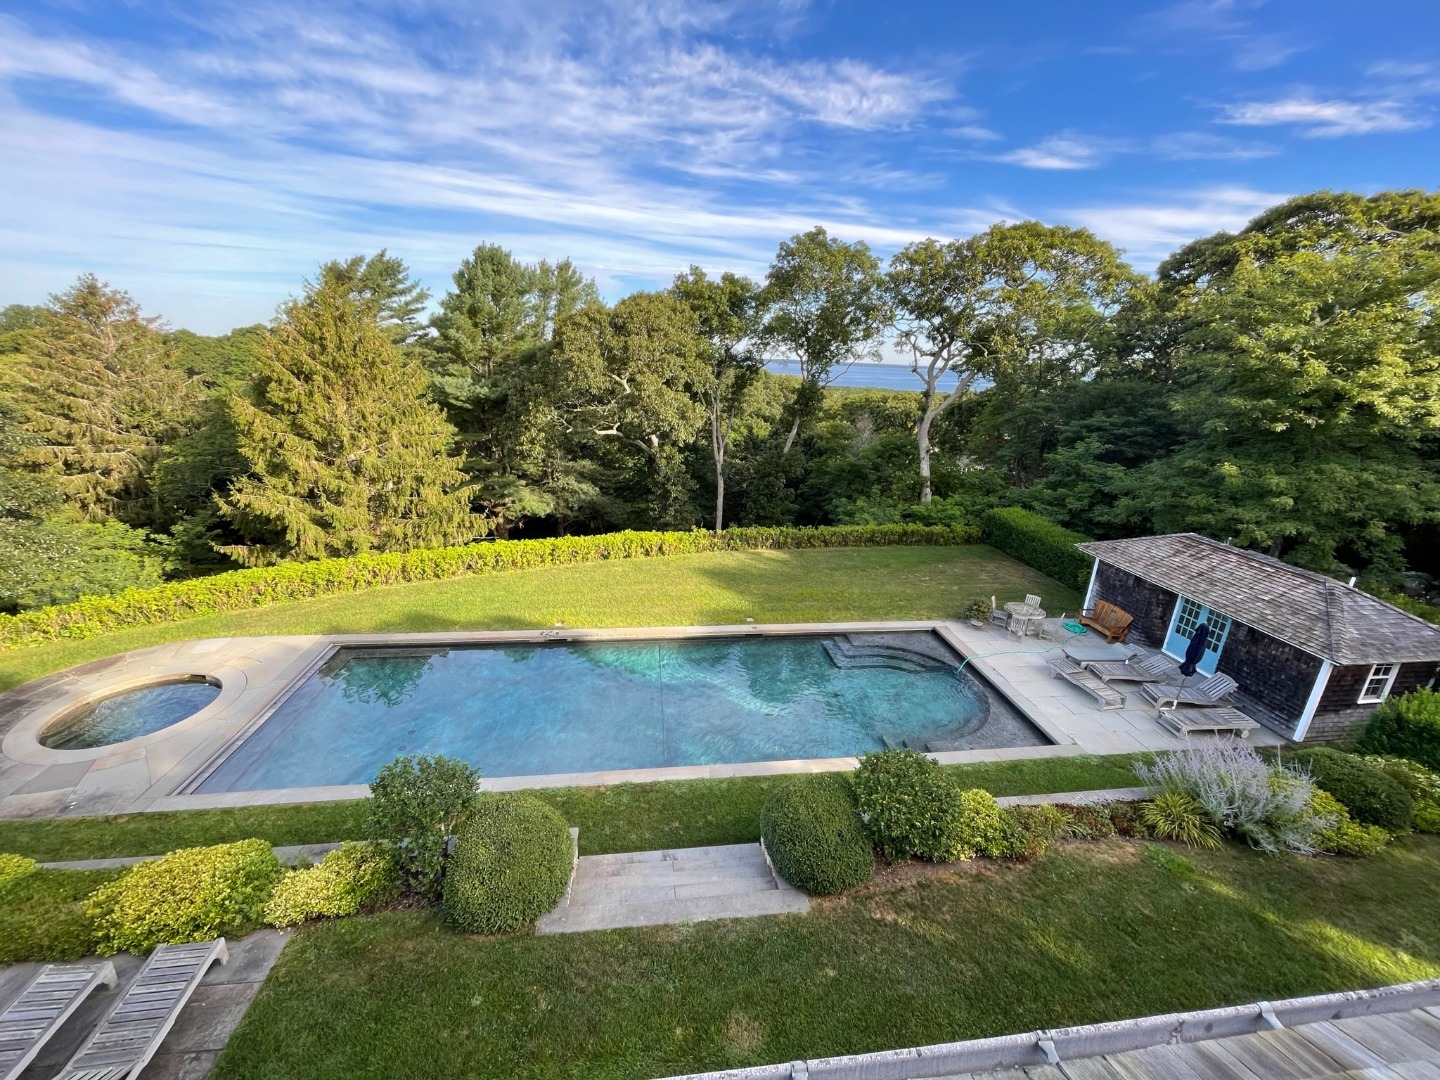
{"x": 129, "y": 715}
{"x": 561, "y": 708}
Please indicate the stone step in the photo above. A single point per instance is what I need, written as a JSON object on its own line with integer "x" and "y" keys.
{"x": 737, "y": 852}
{"x": 575, "y": 919}
{"x": 619, "y": 877}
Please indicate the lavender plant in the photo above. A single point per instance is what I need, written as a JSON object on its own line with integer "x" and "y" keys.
{"x": 1269, "y": 805}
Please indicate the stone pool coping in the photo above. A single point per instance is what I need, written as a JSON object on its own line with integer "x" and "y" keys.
{"x": 257, "y": 674}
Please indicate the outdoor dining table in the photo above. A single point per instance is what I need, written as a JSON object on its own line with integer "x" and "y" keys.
{"x": 1096, "y": 654}
{"x": 1025, "y": 614}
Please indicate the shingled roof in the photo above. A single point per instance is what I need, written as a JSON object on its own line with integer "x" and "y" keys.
{"x": 1308, "y": 610}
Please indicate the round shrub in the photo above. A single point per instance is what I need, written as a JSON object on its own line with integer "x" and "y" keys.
{"x": 1027, "y": 832}
{"x": 417, "y": 803}
{"x": 347, "y": 880}
{"x": 511, "y": 863}
{"x": 908, "y": 805}
{"x": 815, "y": 837}
{"x": 979, "y": 826}
{"x": 193, "y": 894}
{"x": 1423, "y": 785}
{"x": 1364, "y": 789}
{"x": 15, "y": 867}
{"x": 1343, "y": 835}
{"x": 1408, "y": 726}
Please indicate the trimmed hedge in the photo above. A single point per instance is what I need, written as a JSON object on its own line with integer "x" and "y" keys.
{"x": 510, "y": 865}
{"x": 1408, "y": 726}
{"x": 815, "y": 837}
{"x": 1372, "y": 796}
{"x": 347, "y": 880}
{"x": 1039, "y": 543}
{"x": 193, "y": 894}
{"x": 239, "y": 590}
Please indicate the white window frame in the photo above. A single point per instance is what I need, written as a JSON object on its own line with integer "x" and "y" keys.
{"x": 1366, "y": 697}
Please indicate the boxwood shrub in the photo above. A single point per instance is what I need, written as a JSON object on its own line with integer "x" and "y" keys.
{"x": 348, "y": 880}
{"x": 1423, "y": 785}
{"x": 909, "y": 806}
{"x": 1366, "y": 790}
{"x": 238, "y": 590}
{"x": 1038, "y": 542}
{"x": 1344, "y": 835}
{"x": 510, "y": 865}
{"x": 1408, "y": 726}
{"x": 814, "y": 835}
{"x": 193, "y": 894}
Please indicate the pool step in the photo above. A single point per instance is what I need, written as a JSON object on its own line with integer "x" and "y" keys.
{"x": 649, "y": 888}
{"x": 846, "y": 652}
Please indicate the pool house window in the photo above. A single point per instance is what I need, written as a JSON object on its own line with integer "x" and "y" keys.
{"x": 1378, "y": 683}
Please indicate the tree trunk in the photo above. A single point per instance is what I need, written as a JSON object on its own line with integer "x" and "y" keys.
{"x": 718, "y": 439}
{"x": 923, "y": 438}
{"x": 790, "y": 439}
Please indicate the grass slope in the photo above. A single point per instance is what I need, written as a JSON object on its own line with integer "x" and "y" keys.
{"x": 625, "y": 817}
{"x": 1093, "y": 932}
{"x": 769, "y": 586}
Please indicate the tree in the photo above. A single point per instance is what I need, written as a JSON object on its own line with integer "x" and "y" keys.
{"x": 486, "y": 332}
{"x": 1015, "y": 302}
{"x": 622, "y": 384}
{"x": 727, "y": 314}
{"x": 382, "y": 286}
{"x": 344, "y": 453}
{"x": 825, "y": 304}
{"x": 97, "y": 387}
{"x": 1310, "y": 381}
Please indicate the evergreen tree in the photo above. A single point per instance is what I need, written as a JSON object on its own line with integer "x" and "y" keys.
{"x": 383, "y": 287}
{"x": 345, "y": 453}
{"x": 95, "y": 384}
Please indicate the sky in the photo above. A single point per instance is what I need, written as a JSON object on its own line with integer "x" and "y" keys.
{"x": 207, "y": 157}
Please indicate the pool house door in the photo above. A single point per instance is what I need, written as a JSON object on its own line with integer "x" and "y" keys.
{"x": 1189, "y": 615}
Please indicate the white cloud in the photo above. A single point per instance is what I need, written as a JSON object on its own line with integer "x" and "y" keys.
{"x": 1150, "y": 231}
{"x": 1196, "y": 145}
{"x": 1326, "y": 119}
{"x": 1059, "y": 152}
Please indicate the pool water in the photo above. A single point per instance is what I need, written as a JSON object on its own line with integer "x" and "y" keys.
{"x": 562, "y": 708}
{"x": 130, "y": 715}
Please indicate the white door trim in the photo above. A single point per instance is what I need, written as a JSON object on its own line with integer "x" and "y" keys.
{"x": 1090, "y": 589}
{"x": 1316, "y": 693}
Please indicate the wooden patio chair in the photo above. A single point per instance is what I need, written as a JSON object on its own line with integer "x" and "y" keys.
{"x": 1107, "y": 619}
{"x": 1156, "y": 668}
{"x": 1209, "y": 694}
{"x": 32, "y": 1019}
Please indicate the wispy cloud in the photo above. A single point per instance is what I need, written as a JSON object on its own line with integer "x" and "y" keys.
{"x": 1149, "y": 228}
{"x": 1059, "y": 152}
{"x": 1075, "y": 150}
{"x": 1322, "y": 119}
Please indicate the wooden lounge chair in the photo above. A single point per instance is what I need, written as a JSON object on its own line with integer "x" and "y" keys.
{"x": 30, "y": 1021}
{"x": 1209, "y": 694}
{"x": 132, "y": 1031}
{"x": 1105, "y": 697}
{"x": 1156, "y": 668}
{"x": 1225, "y": 719}
{"x": 1107, "y": 619}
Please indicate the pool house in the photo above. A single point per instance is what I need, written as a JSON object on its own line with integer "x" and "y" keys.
{"x": 1313, "y": 657}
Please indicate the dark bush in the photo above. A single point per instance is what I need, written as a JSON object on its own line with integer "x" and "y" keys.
{"x": 1029, "y": 831}
{"x": 910, "y": 807}
{"x": 1039, "y": 543}
{"x": 1088, "y": 822}
{"x": 1408, "y": 726}
{"x": 1371, "y": 795}
{"x": 416, "y": 803}
{"x": 814, "y": 835}
{"x": 511, "y": 864}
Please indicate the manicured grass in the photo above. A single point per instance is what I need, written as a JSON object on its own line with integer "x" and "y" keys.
{"x": 41, "y": 916}
{"x": 1093, "y": 932}
{"x": 826, "y": 585}
{"x": 625, "y": 817}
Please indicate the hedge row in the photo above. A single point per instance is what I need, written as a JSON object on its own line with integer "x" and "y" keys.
{"x": 239, "y": 590}
{"x": 1038, "y": 542}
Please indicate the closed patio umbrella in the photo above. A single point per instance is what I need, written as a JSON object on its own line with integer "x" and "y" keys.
{"x": 1195, "y": 651}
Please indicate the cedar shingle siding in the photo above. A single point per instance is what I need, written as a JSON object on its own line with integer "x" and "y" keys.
{"x": 1285, "y": 622}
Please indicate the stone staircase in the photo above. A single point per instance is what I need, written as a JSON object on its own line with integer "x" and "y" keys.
{"x": 648, "y": 888}
{"x": 914, "y": 652}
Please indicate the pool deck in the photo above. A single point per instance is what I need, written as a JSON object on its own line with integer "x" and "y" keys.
{"x": 155, "y": 772}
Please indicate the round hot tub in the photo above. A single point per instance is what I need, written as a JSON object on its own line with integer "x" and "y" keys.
{"x": 130, "y": 714}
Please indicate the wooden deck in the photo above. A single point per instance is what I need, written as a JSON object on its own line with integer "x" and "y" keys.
{"x": 1392, "y": 1046}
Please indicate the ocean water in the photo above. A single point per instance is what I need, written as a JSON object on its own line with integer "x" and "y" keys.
{"x": 129, "y": 715}
{"x": 559, "y": 708}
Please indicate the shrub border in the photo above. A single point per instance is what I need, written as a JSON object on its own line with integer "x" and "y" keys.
{"x": 241, "y": 590}
{"x": 1039, "y": 543}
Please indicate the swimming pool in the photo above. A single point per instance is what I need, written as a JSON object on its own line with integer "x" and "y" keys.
{"x": 533, "y": 709}
{"x": 130, "y": 715}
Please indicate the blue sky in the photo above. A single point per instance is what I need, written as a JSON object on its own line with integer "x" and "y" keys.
{"x": 207, "y": 156}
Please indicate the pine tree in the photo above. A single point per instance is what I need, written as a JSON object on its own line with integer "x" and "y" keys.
{"x": 345, "y": 453}
{"x": 95, "y": 386}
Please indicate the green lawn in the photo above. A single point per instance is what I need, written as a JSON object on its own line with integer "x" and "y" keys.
{"x": 826, "y": 585}
{"x": 1093, "y": 932}
{"x": 625, "y": 817}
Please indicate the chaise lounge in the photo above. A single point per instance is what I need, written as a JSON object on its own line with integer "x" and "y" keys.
{"x": 1156, "y": 668}
{"x": 1211, "y": 693}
